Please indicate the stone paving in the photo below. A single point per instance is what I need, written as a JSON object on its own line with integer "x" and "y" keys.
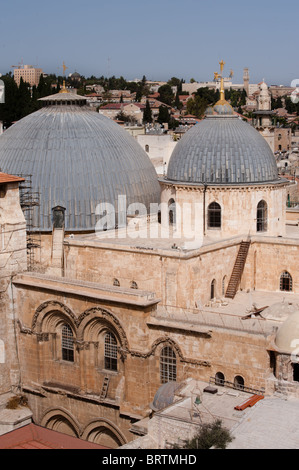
{"x": 271, "y": 424}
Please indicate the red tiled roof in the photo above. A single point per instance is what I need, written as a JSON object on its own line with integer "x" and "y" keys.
{"x": 32, "y": 436}
{"x": 6, "y": 178}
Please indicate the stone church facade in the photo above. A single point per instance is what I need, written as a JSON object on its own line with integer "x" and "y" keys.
{"x": 107, "y": 317}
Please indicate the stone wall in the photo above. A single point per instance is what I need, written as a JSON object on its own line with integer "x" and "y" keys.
{"x": 13, "y": 259}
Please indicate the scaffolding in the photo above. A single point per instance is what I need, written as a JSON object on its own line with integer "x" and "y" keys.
{"x": 29, "y": 199}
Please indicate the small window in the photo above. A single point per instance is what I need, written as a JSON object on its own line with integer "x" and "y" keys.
{"x": 3, "y": 188}
{"x": 116, "y": 282}
{"x": 67, "y": 343}
{"x": 110, "y": 352}
{"x": 213, "y": 289}
{"x": 134, "y": 285}
{"x": 214, "y": 215}
{"x": 239, "y": 382}
{"x": 219, "y": 379}
{"x": 147, "y": 148}
{"x": 286, "y": 282}
{"x": 295, "y": 372}
{"x": 167, "y": 365}
{"x": 171, "y": 211}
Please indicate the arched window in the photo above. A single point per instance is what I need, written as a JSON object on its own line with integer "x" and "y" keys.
{"x": 67, "y": 343}
{"x": 219, "y": 378}
{"x": 134, "y": 285}
{"x": 262, "y": 217}
{"x": 171, "y": 211}
{"x": 239, "y": 382}
{"x": 286, "y": 282}
{"x": 110, "y": 353}
{"x": 116, "y": 282}
{"x": 167, "y": 365}
{"x": 214, "y": 215}
{"x": 213, "y": 289}
{"x": 147, "y": 148}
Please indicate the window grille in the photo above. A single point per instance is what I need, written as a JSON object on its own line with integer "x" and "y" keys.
{"x": 67, "y": 343}
{"x": 214, "y": 215}
{"x": 286, "y": 282}
{"x": 168, "y": 369}
{"x": 110, "y": 352}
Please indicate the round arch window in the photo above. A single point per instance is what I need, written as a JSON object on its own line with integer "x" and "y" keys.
{"x": 239, "y": 382}
{"x": 286, "y": 282}
{"x": 214, "y": 215}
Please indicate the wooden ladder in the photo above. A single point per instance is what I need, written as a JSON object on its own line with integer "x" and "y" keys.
{"x": 105, "y": 387}
{"x": 237, "y": 270}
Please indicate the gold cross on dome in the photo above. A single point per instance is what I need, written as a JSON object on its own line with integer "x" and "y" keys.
{"x": 222, "y": 64}
{"x": 64, "y": 67}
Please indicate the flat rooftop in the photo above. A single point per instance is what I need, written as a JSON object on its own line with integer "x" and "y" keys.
{"x": 271, "y": 423}
{"x": 153, "y": 237}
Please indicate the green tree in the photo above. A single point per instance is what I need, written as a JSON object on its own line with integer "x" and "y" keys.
{"x": 203, "y": 98}
{"x": 163, "y": 116}
{"x": 24, "y": 104}
{"x": 166, "y": 94}
{"x": 208, "y": 436}
{"x": 147, "y": 115}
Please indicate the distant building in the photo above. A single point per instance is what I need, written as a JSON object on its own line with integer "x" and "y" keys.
{"x": 132, "y": 110}
{"x": 28, "y": 73}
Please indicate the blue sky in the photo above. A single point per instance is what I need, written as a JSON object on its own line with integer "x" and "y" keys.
{"x": 159, "y": 38}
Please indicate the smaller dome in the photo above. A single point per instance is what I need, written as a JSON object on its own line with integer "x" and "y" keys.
{"x": 223, "y": 108}
{"x": 263, "y": 86}
{"x": 287, "y": 337}
{"x": 165, "y": 395}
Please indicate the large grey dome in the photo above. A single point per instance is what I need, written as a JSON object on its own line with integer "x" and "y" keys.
{"x": 222, "y": 150}
{"x": 77, "y": 158}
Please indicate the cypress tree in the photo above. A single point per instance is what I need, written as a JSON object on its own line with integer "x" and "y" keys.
{"x": 147, "y": 115}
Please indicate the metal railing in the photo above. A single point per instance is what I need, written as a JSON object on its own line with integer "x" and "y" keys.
{"x": 235, "y": 386}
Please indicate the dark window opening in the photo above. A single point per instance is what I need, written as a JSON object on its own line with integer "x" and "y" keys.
{"x": 171, "y": 211}
{"x": 214, "y": 215}
{"x": 110, "y": 353}
{"x": 261, "y": 217}
{"x": 239, "y": 382}
{"x": 219, "y": 379}
{"x": 213, "y": 289}
{"x": 296, "y": 372}
{"x": 286, "y": 282}
{"x": 67, "y": 344}
{"x": 167, "y": 365}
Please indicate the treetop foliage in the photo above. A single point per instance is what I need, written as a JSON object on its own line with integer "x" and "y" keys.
{"x": 209, "y": 435}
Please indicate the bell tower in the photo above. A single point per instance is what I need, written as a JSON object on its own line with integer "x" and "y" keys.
{"x": 246, "y": 80}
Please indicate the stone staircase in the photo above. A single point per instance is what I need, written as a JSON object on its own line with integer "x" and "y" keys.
{"x": 237, "y": 270}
